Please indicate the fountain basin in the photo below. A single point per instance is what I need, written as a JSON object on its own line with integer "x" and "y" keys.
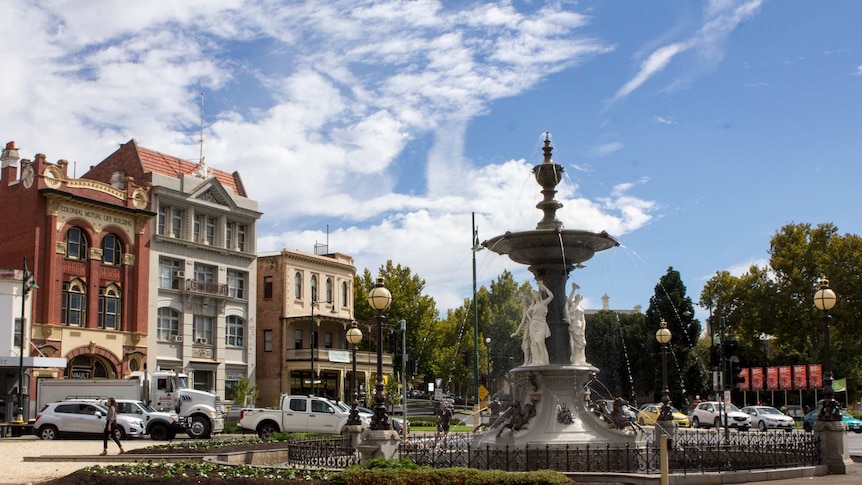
{"x": 550, "y": 246}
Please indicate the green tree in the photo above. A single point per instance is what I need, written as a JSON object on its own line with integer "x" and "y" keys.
{"x": 244, "y": 393}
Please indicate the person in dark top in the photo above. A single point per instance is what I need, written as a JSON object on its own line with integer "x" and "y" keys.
{"x": 444, "y": 417}
{"x": 110, "y": 426}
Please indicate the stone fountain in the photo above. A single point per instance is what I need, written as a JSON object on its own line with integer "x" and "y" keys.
{"x": 550, "y": 393}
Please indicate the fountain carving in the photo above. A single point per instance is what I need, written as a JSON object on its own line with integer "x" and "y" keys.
{"x": 550, "y": 391}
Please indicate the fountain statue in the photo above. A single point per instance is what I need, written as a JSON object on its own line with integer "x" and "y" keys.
{"x": 551, "y": 402}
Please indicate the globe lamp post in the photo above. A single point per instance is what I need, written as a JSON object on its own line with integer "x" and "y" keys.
{"x": 354, "y": 336}
{"x": 824, "y": 299}
{"x": 27, "y": 284}
{"x": 663, "y": 336}
{"x": 379, "y": 298}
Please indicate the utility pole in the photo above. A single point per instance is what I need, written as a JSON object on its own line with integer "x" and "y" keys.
{"x": 476, "y": 248}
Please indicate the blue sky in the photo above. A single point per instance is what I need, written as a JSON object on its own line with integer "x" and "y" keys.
{"x": 690, "y": 131}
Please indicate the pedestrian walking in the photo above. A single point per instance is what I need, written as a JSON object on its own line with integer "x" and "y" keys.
{"x": 444, "y": 418}
{"x": 110, "y": 426}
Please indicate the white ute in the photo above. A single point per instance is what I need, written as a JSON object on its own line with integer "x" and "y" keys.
{"x": 298, "y": 414}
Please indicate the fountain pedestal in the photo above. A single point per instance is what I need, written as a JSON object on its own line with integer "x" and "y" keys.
{"x": 558, "y": 395}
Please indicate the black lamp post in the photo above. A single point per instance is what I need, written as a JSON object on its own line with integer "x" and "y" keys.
{"x": 354, "y": 336}
{"x": 311, "y": 346}
{"x": 663, "y": 336}
{"x": 488, "y": 374}
{"x": 27, "y": 284}
{"x": 379, "y": 298}
{"x": 824, "y": 299}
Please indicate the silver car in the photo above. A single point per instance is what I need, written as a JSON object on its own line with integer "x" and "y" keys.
{"x": 767, "y": 417}
{"x": 71, "y": 418}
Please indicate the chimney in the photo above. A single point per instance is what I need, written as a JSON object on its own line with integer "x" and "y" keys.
{"x": 9, "y": 159}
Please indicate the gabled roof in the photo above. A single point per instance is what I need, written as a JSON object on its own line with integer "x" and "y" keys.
{"x": 157, "y": 162}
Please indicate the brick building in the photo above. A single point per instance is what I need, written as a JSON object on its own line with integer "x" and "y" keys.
{"x": 201, "y": 308}
{"x": 305, "y": 308}
{"x": 86, "y": 242}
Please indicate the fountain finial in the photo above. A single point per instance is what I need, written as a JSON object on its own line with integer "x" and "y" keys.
{"x": 547, "y": 149}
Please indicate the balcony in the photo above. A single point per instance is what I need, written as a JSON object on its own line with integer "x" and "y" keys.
{"x": 322, "y": 355}
{"x": 206, "y": 288}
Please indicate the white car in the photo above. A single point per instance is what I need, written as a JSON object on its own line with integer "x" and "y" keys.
{"x": 767, "y": 417}
{"x": 75, "y": 418}
{"x": 706, "y": 414}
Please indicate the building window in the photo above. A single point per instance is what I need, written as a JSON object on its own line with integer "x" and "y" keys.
{"x": 168, "y": 324}
{"x": 170, "y": 222}
{"x": 297, "y": 339}
{"x": 314, "y": 288}
{"x": 204, "y": 380}
{"x": 344, "y": 293}
{"x": 74, "y": 303}
{"x": 228, "y": 235}
{"x": 236, "y": 284}
{"x": 297, "y": 285}
{"x": 329, "y": 290}
{"x": 267, "y": 340}
{"x": 202, "y": 330}
{"x": 76, "y": 244}
{"x": 112, "y": 250}
{"x": 204, "y": 229}
{"x": 327, "y": 340}
{"x": 109, "y": 307}
{"x": 234, "y": 331}
{"x": 267, "y": 287}
{"x": 205, "y": 273}
{"x": 170, "y": 273}
{"x": 240, "y": 237}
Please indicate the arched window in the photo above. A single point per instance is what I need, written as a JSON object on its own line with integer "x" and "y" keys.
{"x": 110, "y": 304}
{"x": 329, "y": 290}
{"x": 87, "y": 366}
{"x": 168, "y": 324}
{"x": 112, "y": 250}
{"x": 297, "y": 285}
{"x": 74, "y": 303}
{"x": 314, "y": 287}
{"x": 234, "y": 331}
{"x": 77, "y": 246}
{"x": 343, "y": 293}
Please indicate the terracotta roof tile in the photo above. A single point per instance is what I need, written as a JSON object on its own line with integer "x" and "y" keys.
{"x": 157, "y": 162}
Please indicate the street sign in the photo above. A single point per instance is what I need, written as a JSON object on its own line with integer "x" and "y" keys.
{"x": 483, "y": 392}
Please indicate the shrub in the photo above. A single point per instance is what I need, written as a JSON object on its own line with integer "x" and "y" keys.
{"x": 397, "y": 475}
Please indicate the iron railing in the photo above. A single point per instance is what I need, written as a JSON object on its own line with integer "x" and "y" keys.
{"x": 690, "y": 452}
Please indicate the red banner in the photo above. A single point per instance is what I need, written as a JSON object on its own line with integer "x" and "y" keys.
{"x": 746, "y": 384}
{"x": 757, "y": 378}
{"x": 785, "y": 381}
{"x": 772, "y": 378}
{"x": 815, "y": 376}
{"x": 800, "y": 378}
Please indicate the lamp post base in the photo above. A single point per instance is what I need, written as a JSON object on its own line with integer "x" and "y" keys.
{"x": 834, "y": 450}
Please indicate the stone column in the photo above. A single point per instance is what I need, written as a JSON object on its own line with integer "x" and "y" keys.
{"x": 834, "y": 452}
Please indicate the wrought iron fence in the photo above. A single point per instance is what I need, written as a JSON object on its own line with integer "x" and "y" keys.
{"x": 333, "y": 453}
{"x": 690, "y": 452}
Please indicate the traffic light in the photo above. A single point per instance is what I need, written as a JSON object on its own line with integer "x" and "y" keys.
{"x": 731, "y": 348}
{"x": 738, "y": 376}
{"x": 484, "y": 380}
{"x": 715, "y": 356}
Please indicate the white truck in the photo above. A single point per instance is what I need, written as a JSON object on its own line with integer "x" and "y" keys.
{"x": 297, "y": 414}
{"x": 199, "y": 412}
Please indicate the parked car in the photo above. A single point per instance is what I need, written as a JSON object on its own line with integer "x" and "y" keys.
{"x": 649, "y": 413}
{"x": 706, "y": 414}
{"x": 767, "y": 417}
{"x": 629, "y": 411}
{"x": 158, "y": 425}
{"x": 71, "y": 418}
{"x": 852, "y": 423}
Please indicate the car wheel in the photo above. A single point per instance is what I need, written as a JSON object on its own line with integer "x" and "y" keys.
{"x": 200, "y": 428}
{"x": 717, "y": 423}
{"x": 119, "y": 433}
{"x": 695, "y": 423}
{"x": 266, "y": 430}
{"x": 48, "y": 432}
{"x": 761, "y": 426}
{"x": 641, "y": 421}
{"x": 159, "y": 432}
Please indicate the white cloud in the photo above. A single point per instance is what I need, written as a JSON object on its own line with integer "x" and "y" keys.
{"x": 664, "y": 120}
{"x": 606, "y": 149}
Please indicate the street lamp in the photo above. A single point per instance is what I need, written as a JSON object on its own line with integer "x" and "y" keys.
{"x": 488, "y": 374}
{"x": 824, "y": 300}
{"x": 354, "y": 336}
{"x": 27, "y": 284}
{"x": 379, "y": 298}
{"x": 663, "y": 336}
